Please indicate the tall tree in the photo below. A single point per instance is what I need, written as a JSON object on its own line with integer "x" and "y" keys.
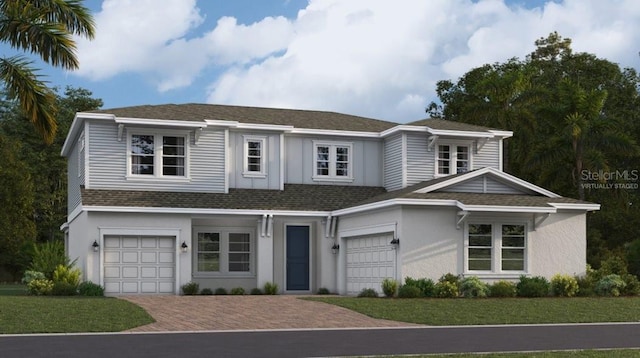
{"x": 43, "y": 162}
{"x": 44, "y": 28}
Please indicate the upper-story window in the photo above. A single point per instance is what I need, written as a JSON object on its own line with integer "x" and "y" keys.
{"x": 158, "y": 155}
{"x": 332, "y": 161}
{"x": 453, "y": 159}
{"x": 254, "y": 156}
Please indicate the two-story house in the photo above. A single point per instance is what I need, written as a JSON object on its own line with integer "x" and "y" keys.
{"x": 231, "y": 196}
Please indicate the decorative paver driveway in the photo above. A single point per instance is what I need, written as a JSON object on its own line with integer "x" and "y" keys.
{"x": 195, "y": 313}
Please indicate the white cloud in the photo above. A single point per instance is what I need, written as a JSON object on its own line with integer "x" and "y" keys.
{"x": 368, "y": 57}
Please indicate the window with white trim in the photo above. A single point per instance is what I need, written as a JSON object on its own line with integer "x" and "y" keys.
{"x": 332, "y": 161}
{"x": 158, "y": 155}
{"x": 227, "y": 251}
{"x": 453, "y": 159}
{"x": 254, "y": 156}
{"x": 496, "y": 247}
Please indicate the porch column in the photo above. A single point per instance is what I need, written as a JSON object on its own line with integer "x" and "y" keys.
{"x": 264, "y": 269}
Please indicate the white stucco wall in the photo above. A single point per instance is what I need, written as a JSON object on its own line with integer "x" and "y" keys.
{"x": 559, "y": 245}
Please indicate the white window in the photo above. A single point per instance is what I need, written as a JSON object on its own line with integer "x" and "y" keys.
{"x": 158, "y": 155}
{"x": 452, "y": 159}
{"x": 332, "y": 161}
{"x": 255, "y": 156}
{"x": 224, "y": 251}
{"x": 496, "y": 248}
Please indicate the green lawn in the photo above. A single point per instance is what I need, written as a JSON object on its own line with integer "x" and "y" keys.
{"x": 445, "y": 312}
{"x": 31, "y": 314}
{"x": 12, "y": 289}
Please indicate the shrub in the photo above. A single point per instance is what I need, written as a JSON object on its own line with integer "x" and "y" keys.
{"x": 47, "y": 256}
{"x": 62, "y": 288}
{"x": 536, "y": 286}
{"x": 446, "y": 289}
{"x": 256, "y": 291}
{"x": 67, "y": 275}
{"x": 610, "y": 285}
{"x": 323, "y": 291}
{"x": 564, "y": 286}
{"x": 472, "y": 287}
{"x": 449, "y": 277}
{"x": 389, "y": 287}
{"x": 30, "y": 275}
{"x": 237, "y": 291}
{"x": 632, "y": 287}
{"x": 368, "y": 292}
{"x": 220, "y": 291}
{"x": 614, "y": 264}
{"x": 503, "y": 289}
{"x": 425, "y": 285}
{"x": 206, "y": 292}
{"x": 88, "y": 288}
{"x": 586, "y": 286}
{"x": 270, "y": 288}
{"x": 40, "y": 287}
{"x": 633, "y": 257}
{"x": 190, "y": 288}
{"x": 407, "y": 291}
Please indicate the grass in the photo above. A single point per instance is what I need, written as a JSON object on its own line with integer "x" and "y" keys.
{"x": 32, "y": 314}
{"x": 445, "y": 312}
{"x": 12, "y": 290}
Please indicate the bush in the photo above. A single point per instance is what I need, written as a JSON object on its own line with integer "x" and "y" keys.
{"x": 47, "y": 256}
{"x": 449, "y": 277}
{"x": 446, "y": 289}
{"x": 368, "y": 292}
{"x": 564, "y": 286}
{"x": 88, "y": 288}
{"x": 472, "y": 287}
{"x": 536, "y": 286}
{"x": 221, "y": 291}
{"x": 206, "y": 292}
{"x": 425, "y": 285}
{"x": 614, "y": 264}
{"x": 40, "y": 287}
{"x": 407, "y": 291}
{"x": 237, "y": 291}
{"x": 389, "y": 287}
{"x": 633, "y": 257}
{"x": 270, "y": 288}
{"x": 610, "y": 285}
{"x": 32, "y": 275}
{"x": 190, "y": 288}
{"x": 632, "y": 287}
{"x": 256, "y": 291}
{"x": 67, "y": 275}
{"x": 503, "y": 289}
{"x": 586, "y": 286}
{"x": 62, "y": 288}
{"x": 323, "y": 291}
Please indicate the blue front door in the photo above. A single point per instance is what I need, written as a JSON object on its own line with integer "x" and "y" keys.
{"x": 297, "y": 258}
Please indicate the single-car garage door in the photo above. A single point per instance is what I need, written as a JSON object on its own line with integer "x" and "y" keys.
{"x": 139, "y": 264}
{"x": 370, "y": 259}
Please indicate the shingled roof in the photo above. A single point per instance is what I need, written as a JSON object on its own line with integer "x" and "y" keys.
{"x": 296, "y": 197}
{"x": 254, "y": 115}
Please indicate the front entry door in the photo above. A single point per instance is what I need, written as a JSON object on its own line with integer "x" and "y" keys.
{"x": 297, "y": 247}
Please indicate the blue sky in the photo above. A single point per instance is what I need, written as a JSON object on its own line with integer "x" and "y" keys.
{"x": 375, "y": 58}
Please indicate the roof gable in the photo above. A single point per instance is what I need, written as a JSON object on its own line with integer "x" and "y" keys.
{"x": 487, "y": 184}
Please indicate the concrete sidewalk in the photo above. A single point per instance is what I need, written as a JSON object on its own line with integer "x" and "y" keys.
{"x": 196, "y": 313}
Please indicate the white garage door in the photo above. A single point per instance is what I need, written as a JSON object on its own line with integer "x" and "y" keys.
{"x": 370, "y": 259}
{"x": 139, "y": 264}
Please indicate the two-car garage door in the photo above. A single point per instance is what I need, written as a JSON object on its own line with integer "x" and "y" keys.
{"x": 139, "y": 264}
{"x": 370, "y": 259}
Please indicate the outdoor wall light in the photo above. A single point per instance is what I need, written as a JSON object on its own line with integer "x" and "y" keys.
{"x": 184, "y": 246}
{"x": 395, "y": 241}
{"x": 335, "y": 248}
{"x": 95, "y": 246}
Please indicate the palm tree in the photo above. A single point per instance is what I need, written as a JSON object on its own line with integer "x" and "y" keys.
{"x": 45, "y": 28}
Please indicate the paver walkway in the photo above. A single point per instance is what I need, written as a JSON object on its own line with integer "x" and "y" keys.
{"x": 194, "y": 313}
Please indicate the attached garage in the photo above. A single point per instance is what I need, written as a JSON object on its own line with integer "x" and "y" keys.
{"x": 370, "y": 259}
{"x": 139, "y": 265}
